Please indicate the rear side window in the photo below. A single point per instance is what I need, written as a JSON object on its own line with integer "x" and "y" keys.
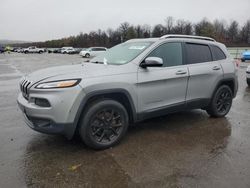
{"x": 171, "y": 54}
{"x": 198, "y": 53}
{"x": 218, "y": 54}
{"x": 102, "y": 49}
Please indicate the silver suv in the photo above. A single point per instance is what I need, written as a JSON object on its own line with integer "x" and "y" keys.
{"x": 133, "y": 81}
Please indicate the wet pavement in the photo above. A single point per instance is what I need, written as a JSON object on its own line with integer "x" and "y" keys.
{"x": 186, "y": 149}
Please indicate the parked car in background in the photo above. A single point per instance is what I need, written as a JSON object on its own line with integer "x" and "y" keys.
{"x": 93, "y": 51}
{"x": 78, "y": 50}
{"x": 15, "y": 49}
{"x": 57, "y": 50}
{"x": 50, "y": 50}
{"x": 33, "y": 49}
{"x": 248, "y": 75}
{"x": 54, "y": 50}
{"x": 19, "y": 50}
{"x": 1, "y": 49}
{"x": 245, "y": 56}
{"x": 67, "y": 50}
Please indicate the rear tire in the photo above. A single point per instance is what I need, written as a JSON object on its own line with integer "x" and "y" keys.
{"x": 103, "y": 124}
{"x": 248, "y": 82}
{"x": 221, "y": 102}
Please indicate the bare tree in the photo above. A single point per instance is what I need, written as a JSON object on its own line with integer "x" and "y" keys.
{"x": 182, "y": 27}
{"x": 204, "y": 28}
{"x": 245, "y": 33}
{"x": 169, "y": 22}
{"x": 233, "y": 31}
{"x": 220, "y": 30}
{"x": 124, "y": 30}
{"x": 158, "y": 30}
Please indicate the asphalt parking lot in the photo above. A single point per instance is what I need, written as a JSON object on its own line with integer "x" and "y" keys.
{"x": 186, "y": 149}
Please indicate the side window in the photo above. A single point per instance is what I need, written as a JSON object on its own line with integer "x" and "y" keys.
{"x": 171, "y": 54}
{"x": 198, "y": 53}
{"x": 218, "y": 54}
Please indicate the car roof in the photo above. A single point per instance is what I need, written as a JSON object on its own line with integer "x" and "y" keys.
{"x": 186, "y": 38}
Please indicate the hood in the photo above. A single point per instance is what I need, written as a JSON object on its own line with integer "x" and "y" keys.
{"x": 86, "y": 70}
{"x": 50, "y": 73}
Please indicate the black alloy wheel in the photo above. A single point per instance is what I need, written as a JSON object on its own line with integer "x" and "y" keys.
{"x": 221, "y": 102}
{"x": 106, "y": 125}
{"x": 103, "y": 124}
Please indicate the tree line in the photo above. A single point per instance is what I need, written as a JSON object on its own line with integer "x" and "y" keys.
{"x": 231, "y": 34}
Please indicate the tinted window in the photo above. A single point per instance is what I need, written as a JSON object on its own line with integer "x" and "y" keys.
{"x": 100, "y": 49}
{"x": 171, "y": 54}
{"x": 198, "y": 53}
{"x": 218, "y": 54}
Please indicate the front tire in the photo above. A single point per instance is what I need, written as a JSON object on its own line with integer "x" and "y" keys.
{"x": 87, "y": 55}
{"x": 248, "y": 82}
{"x": 104, "y": 124}
{"x": 221, "y": 102}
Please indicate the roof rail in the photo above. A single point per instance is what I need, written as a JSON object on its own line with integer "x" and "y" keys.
{"x": 187, "y": 36}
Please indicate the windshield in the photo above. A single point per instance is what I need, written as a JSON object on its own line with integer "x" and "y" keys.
{"x": 122, "y": 53}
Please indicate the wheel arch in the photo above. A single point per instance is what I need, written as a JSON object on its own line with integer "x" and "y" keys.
{"x": 119, "y": 95}
{"x": 230, "y": 82}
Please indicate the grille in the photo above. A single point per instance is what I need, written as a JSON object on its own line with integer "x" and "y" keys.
{"x": 25, "y": 84}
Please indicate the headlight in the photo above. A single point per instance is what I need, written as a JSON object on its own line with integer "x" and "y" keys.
{"x": 58, "y": 84}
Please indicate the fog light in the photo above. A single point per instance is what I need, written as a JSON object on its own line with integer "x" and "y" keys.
{"x": 42, "y": 102}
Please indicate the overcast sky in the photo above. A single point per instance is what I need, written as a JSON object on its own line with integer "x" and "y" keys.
{"x": 39, "y": 20}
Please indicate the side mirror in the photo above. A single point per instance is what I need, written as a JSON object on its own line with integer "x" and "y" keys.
{"x": 152, "y": 62}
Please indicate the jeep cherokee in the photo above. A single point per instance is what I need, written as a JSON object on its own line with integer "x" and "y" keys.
{"x": 133, "y": 81}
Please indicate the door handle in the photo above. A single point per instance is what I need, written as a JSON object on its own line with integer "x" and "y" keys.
{"x": 216, "y": 68}
{"x": 180, "y": 72}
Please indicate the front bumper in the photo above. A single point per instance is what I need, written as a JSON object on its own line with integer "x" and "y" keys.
{"x": 59, "y": 118}
{"x": 43, "y": 125}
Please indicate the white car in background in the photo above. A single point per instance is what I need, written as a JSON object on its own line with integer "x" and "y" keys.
{"x": 33, "y": 49}
{"x": 248, "y": 75}
{"x": 67, "y": 50}
{"x": 93, "y": 51}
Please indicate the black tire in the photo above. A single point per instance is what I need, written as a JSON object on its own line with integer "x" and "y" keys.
{"x": 87, "y": 55}
{"x": 242, "y": 60}
{"x": 221, "y": 102}
{"x": 25, "y": 52}
{"x": 103, "y": 124}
